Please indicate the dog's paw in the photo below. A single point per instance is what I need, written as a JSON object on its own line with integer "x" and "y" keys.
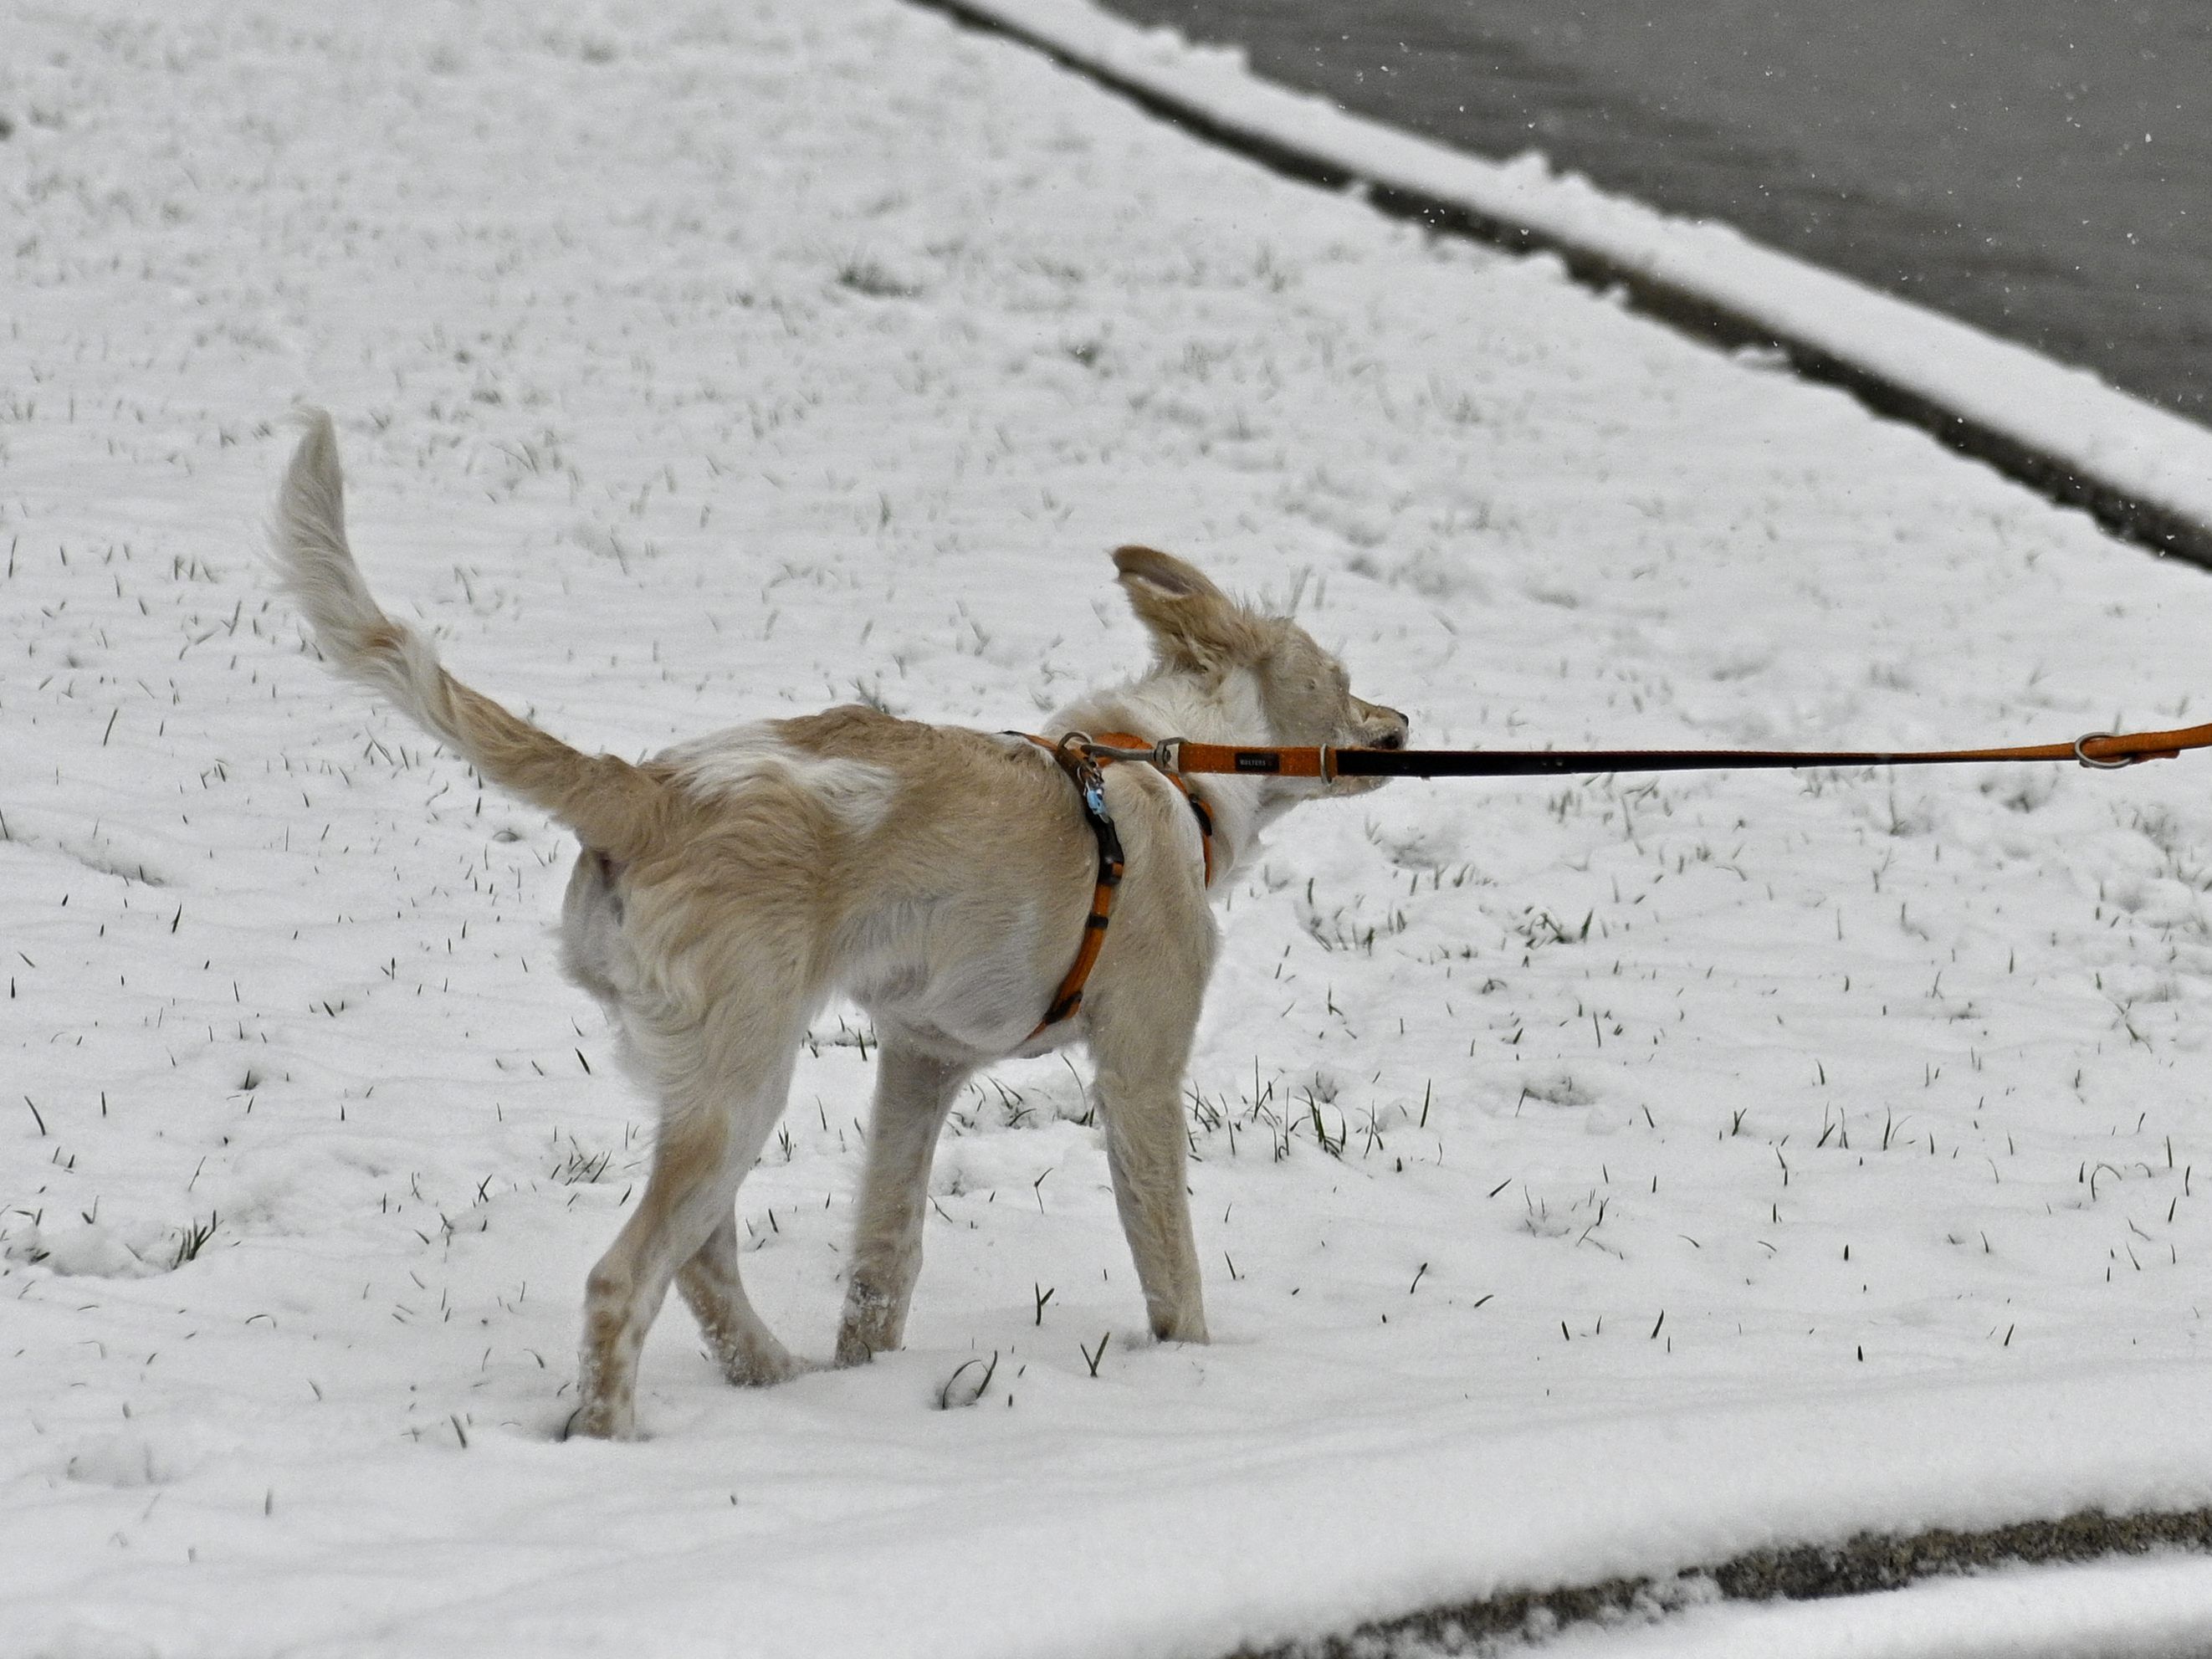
{"x": 756, "y": 1360}
{"x": 764, "y": 1370}
{"x": 869, "y": 1326}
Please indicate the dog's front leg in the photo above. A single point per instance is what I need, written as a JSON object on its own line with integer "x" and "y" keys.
{"x": 1140, "y": 1066}
{"x": 913, "y": 1091}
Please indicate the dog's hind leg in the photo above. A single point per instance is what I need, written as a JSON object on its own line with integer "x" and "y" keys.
{"x": 715, "y": 1292}
{"x": 913, "y": 1093}
{"x": 719, "y": 1100}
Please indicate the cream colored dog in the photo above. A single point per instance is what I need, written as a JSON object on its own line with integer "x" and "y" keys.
{"x": 940, "y": 877}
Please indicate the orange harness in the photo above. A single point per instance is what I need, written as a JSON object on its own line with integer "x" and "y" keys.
{"x": 1083, "y": 758}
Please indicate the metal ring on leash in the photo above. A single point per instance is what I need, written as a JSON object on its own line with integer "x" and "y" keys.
{"x": 2087, "y": 760}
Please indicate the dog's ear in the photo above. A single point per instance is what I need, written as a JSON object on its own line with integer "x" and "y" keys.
{"x": 1192, "y": 623}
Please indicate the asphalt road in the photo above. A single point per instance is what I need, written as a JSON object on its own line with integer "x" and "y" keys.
{"x": 2040, "y": 167}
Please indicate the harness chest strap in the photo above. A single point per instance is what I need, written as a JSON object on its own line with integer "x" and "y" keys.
{"x": 1079, "y": 757}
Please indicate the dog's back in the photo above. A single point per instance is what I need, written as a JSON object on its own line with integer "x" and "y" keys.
{"x": 934, "y": 874}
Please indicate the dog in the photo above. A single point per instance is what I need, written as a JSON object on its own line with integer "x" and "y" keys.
{"x": 939, "y": 876}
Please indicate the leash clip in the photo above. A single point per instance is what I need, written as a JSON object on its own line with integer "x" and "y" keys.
{"x": 2087, "y": 760}
{"x": 1075, "y": 754}
{"x": 1163, "y": 755}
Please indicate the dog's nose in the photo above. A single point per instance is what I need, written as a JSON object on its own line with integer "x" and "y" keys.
{"x": 1395, "y": 725}
{"x": 1380, "y": 726}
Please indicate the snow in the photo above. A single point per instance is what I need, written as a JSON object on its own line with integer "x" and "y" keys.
{"x": 2087, "y": 429}
{"x": 698, "y": 366}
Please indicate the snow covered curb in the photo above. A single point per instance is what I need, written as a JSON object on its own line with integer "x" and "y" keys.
{"x": 2142, "y": 473}
{"x": 1865, "y": 1564}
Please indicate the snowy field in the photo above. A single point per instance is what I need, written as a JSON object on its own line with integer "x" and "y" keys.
{"x": 1594, "y": 1177}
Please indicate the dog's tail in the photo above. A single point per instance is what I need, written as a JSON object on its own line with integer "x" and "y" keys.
{"x": 613, "y": 805}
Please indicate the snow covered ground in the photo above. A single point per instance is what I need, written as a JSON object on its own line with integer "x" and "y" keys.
{"x": 1595, "y": 1178}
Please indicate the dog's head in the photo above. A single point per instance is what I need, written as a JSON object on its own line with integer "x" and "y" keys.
{"x": 1304, "y": 695}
